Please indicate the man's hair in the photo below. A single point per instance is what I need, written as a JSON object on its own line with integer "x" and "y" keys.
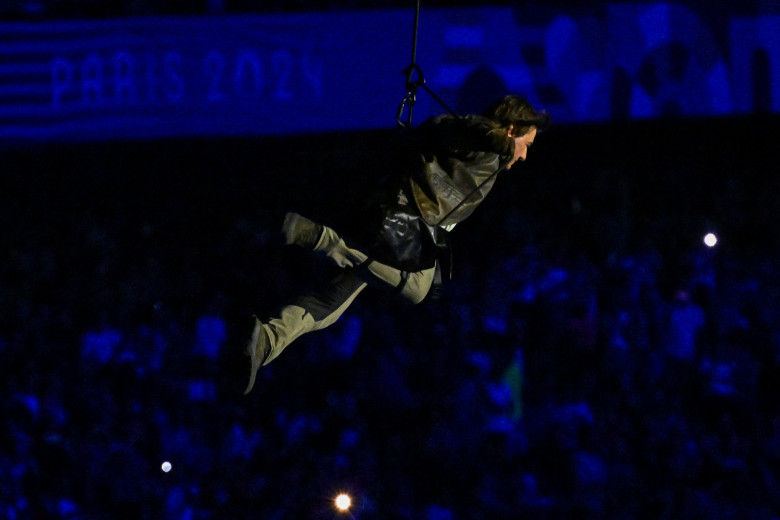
{"x": 517, "y": 111}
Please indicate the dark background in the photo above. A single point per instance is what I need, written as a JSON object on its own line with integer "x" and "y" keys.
{"x": 584, "y": 271}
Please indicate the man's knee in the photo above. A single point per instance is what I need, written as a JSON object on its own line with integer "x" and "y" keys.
{"x": 417, "y": 286}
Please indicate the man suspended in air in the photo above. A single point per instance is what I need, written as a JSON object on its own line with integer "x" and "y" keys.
{"x": 450, "y": 166}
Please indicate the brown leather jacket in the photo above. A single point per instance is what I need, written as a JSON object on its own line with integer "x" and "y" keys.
{"x": 460, "y": 157}
{"x": 446, "y": 169}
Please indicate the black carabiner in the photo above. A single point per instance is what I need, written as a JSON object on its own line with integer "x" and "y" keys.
{"x": 407, "y": 101}
{"x": 411, "y": 94}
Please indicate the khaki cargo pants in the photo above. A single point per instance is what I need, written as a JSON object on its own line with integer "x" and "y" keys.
{"x": 322, "y": 308}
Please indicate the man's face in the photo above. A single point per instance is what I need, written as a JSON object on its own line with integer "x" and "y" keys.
{"x": 522, "y": 144}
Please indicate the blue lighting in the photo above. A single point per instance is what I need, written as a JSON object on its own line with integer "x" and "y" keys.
{"x": 298, "y": 73}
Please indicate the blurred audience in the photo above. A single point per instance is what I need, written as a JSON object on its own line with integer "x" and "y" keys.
{"x": 631, "y": 384}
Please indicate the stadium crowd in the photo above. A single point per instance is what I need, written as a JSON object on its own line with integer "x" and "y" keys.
{"x": 621, "y": 377}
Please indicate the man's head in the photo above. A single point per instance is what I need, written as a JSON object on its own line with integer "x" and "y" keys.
{"x": 518, "y": 120}
{"x": 517, "y": 112}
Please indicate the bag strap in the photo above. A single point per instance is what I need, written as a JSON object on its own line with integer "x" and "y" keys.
{"x": 467, "y": 197}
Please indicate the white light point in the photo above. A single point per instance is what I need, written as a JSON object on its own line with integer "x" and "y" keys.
{"x": 343, "y": 502}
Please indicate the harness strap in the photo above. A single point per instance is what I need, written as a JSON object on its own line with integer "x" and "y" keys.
{"x": 398, "y": 288}
{"x": 402, "y": 283}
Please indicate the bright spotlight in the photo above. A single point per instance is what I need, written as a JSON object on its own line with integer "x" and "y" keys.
{"x": 710, "y": 240}
{"x": 166, "y": 466}
{"x": 343, "y": 502}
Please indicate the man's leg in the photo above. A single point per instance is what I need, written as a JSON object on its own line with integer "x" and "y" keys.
{"x": 312, "y": 312}
{"x": 301, "y": 231}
